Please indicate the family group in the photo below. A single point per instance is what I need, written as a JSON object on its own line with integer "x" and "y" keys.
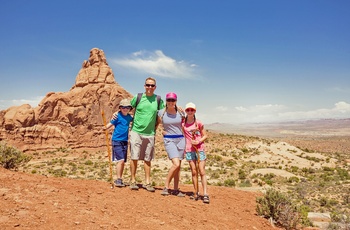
{"x": 183, "y": 137}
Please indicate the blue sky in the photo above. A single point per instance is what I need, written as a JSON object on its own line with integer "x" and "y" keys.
{"x": 238, "y": 61}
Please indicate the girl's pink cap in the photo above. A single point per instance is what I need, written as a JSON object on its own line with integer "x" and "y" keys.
{"x": 171, "y": 96}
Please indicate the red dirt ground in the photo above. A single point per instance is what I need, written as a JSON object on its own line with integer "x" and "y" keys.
{"x": 38, "y": 202}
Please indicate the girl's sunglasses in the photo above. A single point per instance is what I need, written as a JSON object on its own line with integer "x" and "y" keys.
{"x": 190, "y": 110}
{"x": 170, "y": 100}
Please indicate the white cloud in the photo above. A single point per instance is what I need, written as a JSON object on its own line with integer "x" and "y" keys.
{"x": 274, "y": 113}
{"x": 339, "y": 89}
{"x": 158, "y": 64}
{"x": 222, "y": 108}
{"x": 5, "y": 104}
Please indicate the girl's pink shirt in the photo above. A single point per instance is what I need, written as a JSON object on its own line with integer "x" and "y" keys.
{"x": 188, "y": 128}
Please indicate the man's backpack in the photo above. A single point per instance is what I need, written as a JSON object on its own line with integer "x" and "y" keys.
{"x": 138, "y": 99}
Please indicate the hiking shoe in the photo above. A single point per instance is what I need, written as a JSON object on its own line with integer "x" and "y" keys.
{"x": 148, "y": 187}
{"x": 194, "y": 196}
{"x": 178, "y": 193}
{"x": 206, "y": 199}
{"x": 165, "y": 192}
{"x": 133, "y": 186}
{"x": 119, "y": 183}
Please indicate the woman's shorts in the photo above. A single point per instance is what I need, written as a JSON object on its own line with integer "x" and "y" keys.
{"x": 192, "y": 156}
{"x": 120, "y": 150}
{"x": 175, "y": 147}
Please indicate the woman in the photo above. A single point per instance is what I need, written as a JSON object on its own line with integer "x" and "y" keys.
{"x": 195, "y": 136}
{"x": 171, "y": 117}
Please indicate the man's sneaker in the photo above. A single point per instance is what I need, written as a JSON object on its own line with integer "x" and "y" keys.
{"x": 149, "y": 187}
{"x": 165, "y": 192}
{"x": 119, "y": 183}
{"x": 133, "y": 186}
{"x": 178, "y": 193}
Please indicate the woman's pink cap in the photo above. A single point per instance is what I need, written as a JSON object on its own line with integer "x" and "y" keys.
{"x": 171, "y": 96}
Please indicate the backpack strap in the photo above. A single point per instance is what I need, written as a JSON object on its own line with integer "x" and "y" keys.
{"x": 138, "y": 99}
{"x": 158, "y": 101}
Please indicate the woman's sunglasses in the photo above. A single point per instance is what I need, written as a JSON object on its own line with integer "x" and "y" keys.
{"x": 170, "y": 100}
{"x": 190, "y": 110}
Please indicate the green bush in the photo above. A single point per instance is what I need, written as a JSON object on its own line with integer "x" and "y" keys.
{"x": 230, "y": 183}
{"x": 12, "y": 158}
{"x": 279, "y": 208}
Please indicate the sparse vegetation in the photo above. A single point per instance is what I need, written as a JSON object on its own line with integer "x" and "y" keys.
{"x": 317, "y": 184}
{"x": 280, "y": 208}
{"x": 12, "y": 158}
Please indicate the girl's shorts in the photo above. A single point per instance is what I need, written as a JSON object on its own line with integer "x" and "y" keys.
{"x": 192, "y": 156}
{"x": 120, "y": 149}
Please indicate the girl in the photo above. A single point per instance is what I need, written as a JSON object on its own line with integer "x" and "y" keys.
{"x": 174, "y": 141}
{"x": 195, "y": 136}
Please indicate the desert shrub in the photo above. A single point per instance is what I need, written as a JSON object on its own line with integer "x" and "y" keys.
{"x": 245, "y": 183}
{"x": 12, "y": 158}
{"x": 230, "y": 183}
{"x": 215, "y": 175}
{"x": 245, "y": 150}
{"x": 340, "y": 219}
{"x": 279, "y": 208}
{"x": 88, "y": 162}
{"x": 241, "y": 174}
{"x": 230, "y": 163}
{"x": 59, "y": 173}
{"x": 343, "y": 174}
{"x": 328, "y": 169}
{"x": 293, "y": 179}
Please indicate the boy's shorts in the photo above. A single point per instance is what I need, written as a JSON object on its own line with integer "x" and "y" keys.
{"x": 141, "y": 146}
{"x": 192, "y": 156}
{"x": 120, "y": 150}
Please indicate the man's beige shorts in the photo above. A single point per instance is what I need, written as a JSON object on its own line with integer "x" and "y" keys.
{"x": 141, "y": 147}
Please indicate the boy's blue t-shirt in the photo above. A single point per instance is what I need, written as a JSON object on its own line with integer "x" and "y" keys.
{"x": 121, "y": 127}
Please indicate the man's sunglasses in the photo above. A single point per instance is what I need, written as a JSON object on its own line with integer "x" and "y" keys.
{"x": 150, "y": 85}
{"x": 125, "y": 107}
{"x": 170, "y": 100}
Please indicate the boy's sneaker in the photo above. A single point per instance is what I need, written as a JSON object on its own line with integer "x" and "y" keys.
{"x": 119, "y": 183}
{"x": 165, "y": 192}
{"x": 133, "y": 186}
{"x": 178, "y": 193}
{"x": 148, "y": 187}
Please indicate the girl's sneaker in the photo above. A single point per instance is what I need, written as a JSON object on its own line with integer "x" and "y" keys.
{"x": 194, "y": 197}
{"x": 206, "y": 199}
{"x": 165, "y": 192}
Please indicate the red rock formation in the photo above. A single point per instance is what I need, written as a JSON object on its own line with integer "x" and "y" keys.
{"x": 71, "y": 119}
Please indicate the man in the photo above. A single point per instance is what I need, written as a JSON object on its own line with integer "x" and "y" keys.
{"x": 142, "y": 134}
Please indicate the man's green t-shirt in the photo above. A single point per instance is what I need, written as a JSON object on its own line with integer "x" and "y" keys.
{"x": 145, "y": 116}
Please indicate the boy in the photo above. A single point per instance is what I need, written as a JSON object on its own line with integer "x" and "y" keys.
{"x": 120, "y": 138}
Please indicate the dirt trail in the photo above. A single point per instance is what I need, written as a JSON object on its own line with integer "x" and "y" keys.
{"x": 39, "y": 202}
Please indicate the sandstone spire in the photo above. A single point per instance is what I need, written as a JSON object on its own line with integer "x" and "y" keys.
{"x": 67, "y": 119}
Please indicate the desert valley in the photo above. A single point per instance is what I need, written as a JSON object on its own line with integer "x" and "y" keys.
{"x": 66, "y": 183}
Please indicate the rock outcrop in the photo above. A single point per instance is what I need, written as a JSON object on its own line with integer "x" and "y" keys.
{"x": 67, "y": 119}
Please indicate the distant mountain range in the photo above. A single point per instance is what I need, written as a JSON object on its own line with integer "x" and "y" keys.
{"x": 317, "y": 128}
